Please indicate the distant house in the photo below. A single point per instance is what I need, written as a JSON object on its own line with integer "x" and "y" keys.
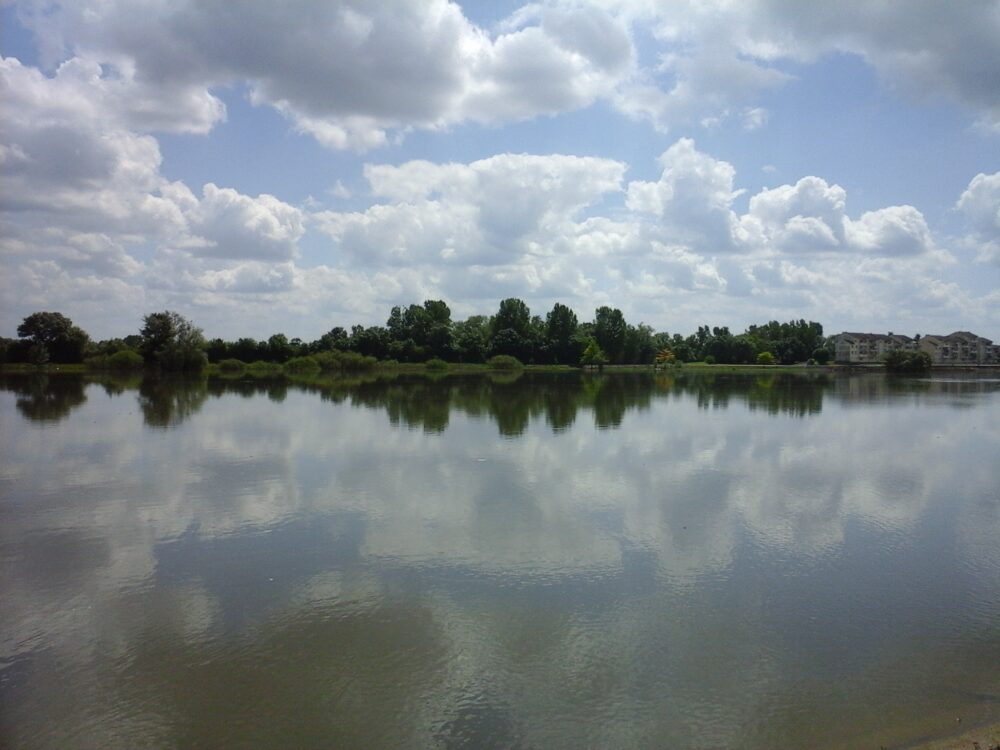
{"x": 868, "y": 347}
{"x": 960, "y": 348}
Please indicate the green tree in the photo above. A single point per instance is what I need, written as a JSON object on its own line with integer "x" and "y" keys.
{"x": 335, "y": 338}
{"x": 765, "y": 358}
{"x": 610, "y": 331}
{"x": 471, "y": 338}
{"x": 593, "y": 355}
{"x": 52, "y": 337}
{"x": 370, "y": 342}
{"x": 640, "y": 345}
{"x": 514, "y": 315}
{"x": 171, "y": 342}
{"x": 560, "y": 332}
{"x": 438, "y": 334}
{"x": 510, "y": 330}
{"x": 278, "y": 348}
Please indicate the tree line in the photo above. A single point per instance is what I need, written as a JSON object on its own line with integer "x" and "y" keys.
{"x": 422, "y": 332}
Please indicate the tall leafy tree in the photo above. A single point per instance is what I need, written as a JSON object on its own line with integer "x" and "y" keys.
{"x": 513, "y": 314}
{"x": 172, "y": 342}
{"x": 511, "y": 330}
{"x": 560, "y": 333}
{"x": 471, "y": 338}
{"x": 610, "y": 330}
{"x": 52, "y": 337}
{"x": 278, "y": 348}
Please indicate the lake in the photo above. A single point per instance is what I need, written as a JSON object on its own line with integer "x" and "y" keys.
{"x": 550, "y": 561}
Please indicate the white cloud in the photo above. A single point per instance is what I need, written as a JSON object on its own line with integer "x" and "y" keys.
{"x": 892, "y": 231}
{"x": 85, "y": 201}
{"x": 692, "y": 199}
{"x": 980, "y": 205}
{"x": 87, "y": 216}
{"x": 238, "y": 226}
{"x": 357, "y": 74}
{"x": 924, "y": 47}
{"x": 491, "y": 211}
{"x": 347, "y": 73}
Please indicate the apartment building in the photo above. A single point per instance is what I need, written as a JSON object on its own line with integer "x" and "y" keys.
{"x": 869, "y": 347}
{"x": 958, "y": 348}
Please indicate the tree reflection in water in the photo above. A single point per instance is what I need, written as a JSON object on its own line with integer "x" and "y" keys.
{"x": 512, "y": 400}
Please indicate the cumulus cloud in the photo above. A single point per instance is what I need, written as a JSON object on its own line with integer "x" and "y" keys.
{"x": 238, "y": 226}
{"x": 490, "y": 211}
{"x": 542, "y": 228}
{"x": 84, "y": 200}
{"x": 692, "y": 199}
{"x": 980, "y": 205}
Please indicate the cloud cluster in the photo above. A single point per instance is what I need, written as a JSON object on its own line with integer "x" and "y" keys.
{"x": 85, "y": 201}
{"x": 546, "y": 228}
{"x": 356, "y": 73}
{"x": 716, "y": 59}
{"x": 94, "y": 223}
{"x": 347, "y": 73}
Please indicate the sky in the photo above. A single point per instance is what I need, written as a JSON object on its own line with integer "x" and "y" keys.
{"x": 265, "y": 167}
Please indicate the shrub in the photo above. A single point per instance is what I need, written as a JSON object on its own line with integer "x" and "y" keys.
{"x": 126, "y": 359}
{"x": 260, "y": 369}
{"x": 709, "y": 359}
{"x": 302, "y": 366}
{"x": 232, "y": 365}
{"x": 334, "y": 360}
{"x": 914, "y": 362}
{"x": 821, "y": 355}
{"x": 504, "y": 362}
{"x": 765, "y": 358}
{"x": 436, "y": 364}
{"x": 121, "y": 361}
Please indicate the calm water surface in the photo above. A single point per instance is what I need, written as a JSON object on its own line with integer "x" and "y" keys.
{"x": 551, "y": 561}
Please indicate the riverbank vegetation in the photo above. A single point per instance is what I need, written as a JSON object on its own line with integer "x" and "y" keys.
{"x": 415, "y": 335}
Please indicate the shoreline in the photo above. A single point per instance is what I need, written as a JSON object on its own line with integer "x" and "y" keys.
{"x": 983, "y": 737}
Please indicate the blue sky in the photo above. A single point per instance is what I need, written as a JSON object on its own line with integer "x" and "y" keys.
{"x": 267, "y": 168}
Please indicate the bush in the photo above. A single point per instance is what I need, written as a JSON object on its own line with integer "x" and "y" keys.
{"x": 911, "y": 362}
{"x": 232, "y": 366}
{"x": 504, "y": 362}
{"x": 709, "y": 359}
{"x": 302, "y": 366}
{"x": 436, "y": 364}
{"x": 121, "y": 361}
{"x": 821, "y": 355}
{"x": 261, "y": 369}
{"x": 765, "y": 358}
{"x": 124, "y": 360}
{"x": 334, "y": 360}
